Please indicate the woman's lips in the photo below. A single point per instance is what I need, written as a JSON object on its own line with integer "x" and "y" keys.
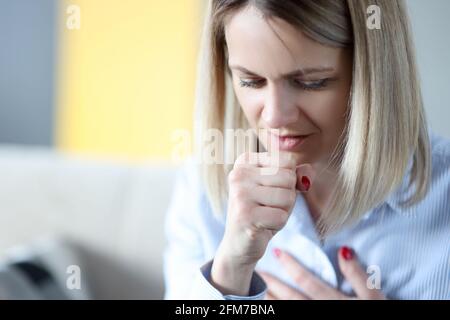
{"x": 289, "y": 143}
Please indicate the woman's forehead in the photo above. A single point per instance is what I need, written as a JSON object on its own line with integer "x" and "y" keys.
{"x": 272, "y": 47}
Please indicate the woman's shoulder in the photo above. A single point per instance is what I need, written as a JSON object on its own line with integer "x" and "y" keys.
{"x": 439, "y": 187}
{"x": 439, "y": 183}
{"x": 190, "y": 189}
{"x": 440, "y": 147}
{"x": 440, "y": 160}
{"x": 188, "y": 173}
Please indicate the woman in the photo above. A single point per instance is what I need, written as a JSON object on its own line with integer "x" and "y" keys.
{"x": 356, "y": 205}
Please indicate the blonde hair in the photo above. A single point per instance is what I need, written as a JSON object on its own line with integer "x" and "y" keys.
{"x": 386, "y": 125}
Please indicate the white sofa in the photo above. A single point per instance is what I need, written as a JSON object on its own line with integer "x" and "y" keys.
{"x": 113, "y": 214}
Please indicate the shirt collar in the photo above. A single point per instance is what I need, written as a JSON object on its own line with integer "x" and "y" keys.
{"x": 302, "y": 221}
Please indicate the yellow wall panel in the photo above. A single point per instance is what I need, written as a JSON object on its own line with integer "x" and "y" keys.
{"x": 126, "y": 77}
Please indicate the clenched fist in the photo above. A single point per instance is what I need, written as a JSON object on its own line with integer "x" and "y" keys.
{"x": 262, "y": 193}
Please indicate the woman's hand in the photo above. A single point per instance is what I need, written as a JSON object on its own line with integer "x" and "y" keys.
{"x": 259, "y": 205}
{"x": 313, "y": 287}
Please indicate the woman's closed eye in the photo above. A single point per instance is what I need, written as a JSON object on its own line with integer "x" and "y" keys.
{"x": 302, "y": 84}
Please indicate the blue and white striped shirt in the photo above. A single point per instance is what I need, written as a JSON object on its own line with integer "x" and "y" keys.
{"x": 408, "y": 248}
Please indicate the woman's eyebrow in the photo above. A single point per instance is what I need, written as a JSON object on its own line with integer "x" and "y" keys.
{"x": 298, "y": 72}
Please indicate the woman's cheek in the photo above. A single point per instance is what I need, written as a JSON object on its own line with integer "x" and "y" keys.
{"x": 251, "y": 107}
{"x": 333, "y": 127}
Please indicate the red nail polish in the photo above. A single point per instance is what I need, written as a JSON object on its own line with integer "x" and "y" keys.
{"x": 306, "y": 183}
{"x": 277, "y": 252}
{"x": 347, "y": 253}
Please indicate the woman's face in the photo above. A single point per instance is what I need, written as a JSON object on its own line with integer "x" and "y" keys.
{"x": 284, "y": 80}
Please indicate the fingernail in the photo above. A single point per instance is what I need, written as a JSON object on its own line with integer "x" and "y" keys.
{"x": 306, "y": 183}
{"x": 347, "y": 253}
{"x": 277, "y": 252}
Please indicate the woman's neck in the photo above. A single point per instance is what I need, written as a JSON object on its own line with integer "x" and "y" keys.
{"x": 320, "y": 192}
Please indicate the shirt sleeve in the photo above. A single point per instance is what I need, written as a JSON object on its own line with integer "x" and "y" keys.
{"x": 204, "y": 290}
{"x": 186, "y": 274}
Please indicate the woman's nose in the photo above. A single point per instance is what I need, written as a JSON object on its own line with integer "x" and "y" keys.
{"x": 279, "y": 108}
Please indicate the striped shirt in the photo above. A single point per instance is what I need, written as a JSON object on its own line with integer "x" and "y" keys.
{"x": 407, "y": 249}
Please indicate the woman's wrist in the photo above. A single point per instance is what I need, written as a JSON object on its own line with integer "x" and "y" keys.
{"x": 230, "y": 277}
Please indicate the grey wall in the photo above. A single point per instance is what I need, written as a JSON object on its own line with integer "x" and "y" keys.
{"x": 431, "y": 28}
{"x": 27, "y": 54}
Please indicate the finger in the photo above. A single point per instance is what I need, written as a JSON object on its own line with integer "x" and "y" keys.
{"x": 305, "y": 177}
{"x": 264, "y": 159}
{"x": 355, "y": 275}
{"x": 284, "y": 178}
{"x": 281, "y": 290}
{"x": 270, "y": 296}
{"x": 312, "y": 286}
{"x": 274, "y": 197}
{"x": 252, "y": 176}
{"x": 269, "y": 218}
